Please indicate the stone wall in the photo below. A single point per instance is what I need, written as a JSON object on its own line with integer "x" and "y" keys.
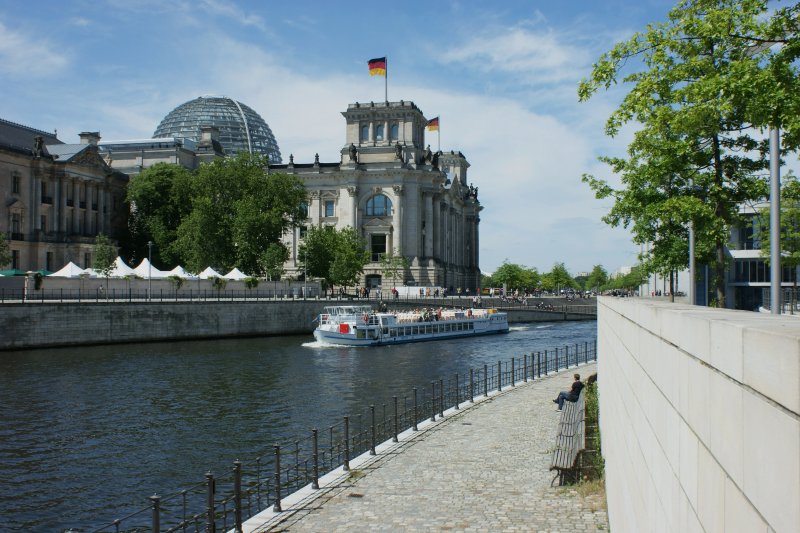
{"x": 699, "y": 417}
{"x": 56, "y": 324}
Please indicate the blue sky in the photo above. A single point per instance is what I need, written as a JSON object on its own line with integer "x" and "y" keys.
{"x": 502, "y": 76}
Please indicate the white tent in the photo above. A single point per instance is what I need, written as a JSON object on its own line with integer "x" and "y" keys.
{"x": 70, "y": 270}
{"x": 146, "y": 270}
{"x": 181, "y": 273}
{"x": 121, "y": 269}
{"x": 235, "y": 274}
{"x": 209, "y": 273}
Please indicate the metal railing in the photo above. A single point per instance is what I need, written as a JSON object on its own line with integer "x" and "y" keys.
{"x": 224, "y": 501}
{"x": 790, "y": 300}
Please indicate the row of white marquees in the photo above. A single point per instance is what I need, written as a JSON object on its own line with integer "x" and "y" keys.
{"x": 144, "y": 270}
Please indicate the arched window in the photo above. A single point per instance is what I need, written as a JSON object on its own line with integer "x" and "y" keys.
{"x": 364, "y": 133}
{"x": 379, "y": 206}
{"x": 393, "y": 132}
{"x": 379, "y": 132}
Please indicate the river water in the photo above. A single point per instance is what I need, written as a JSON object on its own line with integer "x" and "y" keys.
{"x": 87, "y": 434}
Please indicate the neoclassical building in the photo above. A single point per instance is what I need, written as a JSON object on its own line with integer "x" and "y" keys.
{"x": 56, "y": 198}
{"x": 401, "y": 197}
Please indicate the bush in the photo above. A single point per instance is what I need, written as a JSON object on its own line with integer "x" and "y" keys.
{"x": 251, "y": 282}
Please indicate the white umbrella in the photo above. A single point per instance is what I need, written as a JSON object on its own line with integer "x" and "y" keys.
{"x": 235, "y": 274}
{"x": 209, "y": 273}
{"x": 70, "y": 270}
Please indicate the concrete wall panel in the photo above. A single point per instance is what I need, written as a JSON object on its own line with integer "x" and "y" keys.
{"x": 700, "y": 417}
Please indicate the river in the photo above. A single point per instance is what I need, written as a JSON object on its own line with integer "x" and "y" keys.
{"x": 87, "y": 434}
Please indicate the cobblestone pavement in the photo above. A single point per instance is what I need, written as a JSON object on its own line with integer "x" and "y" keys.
{"x": 482, "y": 469}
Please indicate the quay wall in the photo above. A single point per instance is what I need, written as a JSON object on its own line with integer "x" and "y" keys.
{"x": 699, "y": 417}
{"x": 70, "y": 324}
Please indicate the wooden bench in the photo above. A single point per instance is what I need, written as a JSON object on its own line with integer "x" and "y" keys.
{"x": 570, "y": 440}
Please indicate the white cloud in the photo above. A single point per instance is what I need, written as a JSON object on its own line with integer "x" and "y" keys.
{"x": 22, "y": 55}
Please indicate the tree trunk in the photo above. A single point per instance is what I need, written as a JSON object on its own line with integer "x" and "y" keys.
{"x": 719, "y": 212}
{"x": 672, "y": 286}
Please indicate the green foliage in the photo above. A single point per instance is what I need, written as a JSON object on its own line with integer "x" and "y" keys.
{"x": 393, "y": 266}
{"x": 176, "y": 281}
{"x": 37, "y": 281}
{"x": 632, "y": 280}
{"x": 5, "y": 252}
{"x": 105, "y": 253}
{"x": 702, "y": 92}
{"x": 515, "y": 276}
{"x": 218, "y": 283}
{"x": 790, "y": 225}
{"x": 251, "y": 282}
{"x": 272, "y": 260}
{"x": 598, "y": 277}
{"x": 161, "y": 197}
{"x": 337, "y": 256}
{"x": 558, "y": 278}
{"x": 229, "y": 212}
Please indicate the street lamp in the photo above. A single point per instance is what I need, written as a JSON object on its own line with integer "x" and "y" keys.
{"x": 149, "y": 270}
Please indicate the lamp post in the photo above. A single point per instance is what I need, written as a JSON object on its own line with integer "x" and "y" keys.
{"x": 775, "y": 221}
{"x": 149, "y": 270}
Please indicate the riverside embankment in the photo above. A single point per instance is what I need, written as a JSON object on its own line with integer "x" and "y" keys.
{"x": 36, "y": 324}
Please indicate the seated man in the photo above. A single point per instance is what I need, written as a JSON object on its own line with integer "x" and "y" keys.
{"x": 572, "y": 395}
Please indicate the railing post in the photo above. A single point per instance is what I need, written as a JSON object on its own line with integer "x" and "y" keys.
{"x": 576, "y": 354}
{"x": 457, "y": 407}
{"x": 585, "y": 352}
{"x": 471, "y": 385}
{"x": 525, "y": 367}
{"x": 513, "y": 378}
{"x": 315, "y": 481}
{"x": 156, "y": 499}
{"x": 416, "y": 416}
{"x": 237, "y": 495}
{"x": 546, "y": 370}
{"x": 433, "y": 401}
{"x": 277, "y": 506}
{"x": 499, "y": 376}
{"x": 211, "y": 526}
{"x": 395, "y": 419}
{"x": 485, "y": 380}
{"x": 372, "y": 440}
{"x": 441, "y": 398}
{"x": 346, "y": 466}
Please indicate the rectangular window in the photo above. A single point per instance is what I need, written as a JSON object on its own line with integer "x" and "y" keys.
{"x": 14, "y": 259}
{"x": 48, "y": 261}
{"x": 15, "y": 184}
{"x": 43, "y": 221}
{"x": 377, "y": 247}
{"x": 329, "y": 205}
{"x": 16, "y": 223}
{"x": 87, "y": 260}
{"x": 303, "y": 231}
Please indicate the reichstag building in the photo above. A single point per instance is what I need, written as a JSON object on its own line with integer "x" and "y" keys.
{"x": 402, "y": 197}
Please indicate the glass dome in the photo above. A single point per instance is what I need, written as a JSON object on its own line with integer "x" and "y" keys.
{"x": 240, "y": 128}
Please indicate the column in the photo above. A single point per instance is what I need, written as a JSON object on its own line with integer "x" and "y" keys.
{"x": 429, "y": 225}
{"x": 437, "y": 225}
{"x": 103, "y": 226}
{"x": 76, "y": 211}
{"x": 397, "y": 219}
{"x": 353, "y": 192}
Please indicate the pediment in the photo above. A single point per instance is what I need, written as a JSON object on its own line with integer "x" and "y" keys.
{"x": 15, "y": 204}
{"x": 377, "y": 222}
{"x": 90, "y": 158}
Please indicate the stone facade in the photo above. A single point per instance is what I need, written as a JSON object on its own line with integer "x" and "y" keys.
{"x": 403, "y": 198}
{"x": 56, "y": 198}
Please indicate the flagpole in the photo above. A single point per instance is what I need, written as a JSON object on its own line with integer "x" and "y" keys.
{"x": 386, "y": 81}
{"x": 439, "y": 137}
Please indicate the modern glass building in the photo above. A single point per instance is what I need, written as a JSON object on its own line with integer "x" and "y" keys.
{"x": 240, "y": 128}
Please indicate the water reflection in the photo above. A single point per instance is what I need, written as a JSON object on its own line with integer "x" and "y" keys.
{"x": 88, "y": 433}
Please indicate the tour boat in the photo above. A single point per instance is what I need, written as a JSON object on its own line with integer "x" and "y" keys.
{"x": 359, "y": 325}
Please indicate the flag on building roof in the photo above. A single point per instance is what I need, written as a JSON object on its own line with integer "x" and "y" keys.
{"x": 433, "y": 124}
{"x": 377, "y": 66}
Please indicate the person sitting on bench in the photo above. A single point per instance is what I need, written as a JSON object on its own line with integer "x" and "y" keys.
{"x": 572, "y": 394}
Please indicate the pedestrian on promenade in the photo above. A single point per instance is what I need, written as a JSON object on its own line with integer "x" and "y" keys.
{"x": 572, "y": 394}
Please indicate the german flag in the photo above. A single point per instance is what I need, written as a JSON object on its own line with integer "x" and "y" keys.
{"x": 377, "y": 66}
{"x": 433, "y": 124}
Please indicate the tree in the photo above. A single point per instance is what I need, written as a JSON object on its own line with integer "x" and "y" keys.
{"x": 393, "y": 265}
{"x": 105, "y": 256}
{"x": 598, "y": 277}
{"x": 698, "y": 95}
{"x": 237, "y": 211}
{"x": 160, "y": 198}
{"x": 337, "y": 256}
{"x": 790, "y": 227}
{"x": 559, "y": 278}
{"x": 5, "y": 252}
{"x": 515, "y": 276}
{"x": 272, "y": 260}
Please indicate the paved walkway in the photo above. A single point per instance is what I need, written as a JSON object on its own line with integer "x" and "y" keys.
{"x": 483, "y": 468}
